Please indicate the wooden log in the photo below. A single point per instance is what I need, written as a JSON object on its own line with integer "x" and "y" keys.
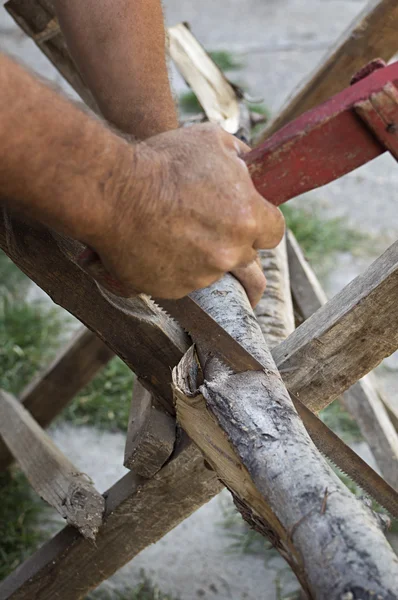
{"x": 151, "y": 435}
{"x": 274, "y": 312}
{"x": 249, "y": 432}
{"x": 55, "y": 479}
{"x": 371, "y": 35}
{"x": 138, "y": 513}
{"x": 362, "y": 400}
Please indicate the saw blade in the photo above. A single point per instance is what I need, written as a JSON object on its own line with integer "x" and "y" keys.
{"x": 215, "y": 341}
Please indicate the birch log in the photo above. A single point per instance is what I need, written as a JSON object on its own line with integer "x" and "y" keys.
{"x": 248, "y": 430}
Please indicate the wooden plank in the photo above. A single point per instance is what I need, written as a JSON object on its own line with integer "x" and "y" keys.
{"x": 74, "y": 367}
{"x": 50, "y": 473}
{"x": 307, "y": 292}
{"x": 346, "y": 338}
{"x": 391, "y": 405}
{"x": 373, "y": 34}
{"x": 138, "y": 513}
{"x": 364, "y": 404}
{"x": 215, "y": 94}
{"x": 48, "y": 393}
{"x": 151, "y": 435}
{"x": 362, "y": 400}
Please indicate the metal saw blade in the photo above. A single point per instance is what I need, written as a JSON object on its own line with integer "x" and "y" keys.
{"x": 217, "y": 342}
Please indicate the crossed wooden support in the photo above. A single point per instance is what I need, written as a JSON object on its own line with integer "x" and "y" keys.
{"x": 169, "y": 479}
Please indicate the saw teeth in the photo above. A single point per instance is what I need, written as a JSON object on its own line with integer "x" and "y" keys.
{"x": 359, "y": 486}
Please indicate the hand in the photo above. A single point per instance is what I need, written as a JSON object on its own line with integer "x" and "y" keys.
{"x": 253, "y": 280}
{"x": 187, "y": 214}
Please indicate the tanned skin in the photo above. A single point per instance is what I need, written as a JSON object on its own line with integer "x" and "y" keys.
{"x": 119, "y": 48}
{"x": 166, "y": 216}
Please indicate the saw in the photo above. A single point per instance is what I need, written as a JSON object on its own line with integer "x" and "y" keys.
{"x": 350, "y": 129}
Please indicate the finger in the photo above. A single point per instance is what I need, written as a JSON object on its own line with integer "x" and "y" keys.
{"x": 271, "y": 224}
{"x": 233, "y": 143}
{"x": 253, "y": 280}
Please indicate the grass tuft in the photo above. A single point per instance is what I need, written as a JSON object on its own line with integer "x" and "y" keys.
{"x": 105, "y": 401}
{"x": 19, "y": 512}
{"x": 320, "y": 238}
{"x": 337, "y": 418}
{"x": 30, "y": 334}
{"x": 227, "y": 61}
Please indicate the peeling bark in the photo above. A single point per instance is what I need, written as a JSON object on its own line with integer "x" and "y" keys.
{"x": 248, "y": 430}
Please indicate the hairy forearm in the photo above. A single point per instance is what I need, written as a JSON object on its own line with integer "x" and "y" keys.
{"x": 119, "y": 48}
{"x": 57, "y": 164}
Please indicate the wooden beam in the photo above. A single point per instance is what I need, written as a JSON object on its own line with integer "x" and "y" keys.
{"x": 74, "y": 367}
{"x": 372, "y": 35}
{"x": 346, "y": 338}
{"x": 50, "y": 473}
{"x": 51, "y": 390}
{"x": 151, "y": 435}
{"x": 364, "y": 404}
{"x": 362, "y": 400}
{"x": 139, "y": 512}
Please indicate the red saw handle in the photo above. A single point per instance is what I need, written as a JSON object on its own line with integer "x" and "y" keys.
{"x": 320, "y": 146}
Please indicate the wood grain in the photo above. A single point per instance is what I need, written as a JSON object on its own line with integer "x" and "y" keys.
{"x": 50, "y": 473}
{"x": 151, "y": 435}
{"x": 248, "y": 429}
{"x": 138, "y": 513}
{"x": 52, "y": 389}
{"x": 362, "y": 400}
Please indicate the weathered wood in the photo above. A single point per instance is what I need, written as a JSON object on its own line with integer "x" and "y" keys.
{"x": 391, "y": 405}
{"x": 307, "y": 291}
{"x": 141, "y": 307}
{"x": 364, "y": 405}
{"x": 151, "y": 435}
{"x": 74, "y": 367}
{"x": 362, "y": 400}
{"x": 50, "y": 473}
{"x": 214, "y": 92}
{"x": 247, "y": 428}
{"x": 135, "y": 329}
{"x": 274, "y": 311}
{"x": 373, "y": 34}
{"x": 138, "y": 513}
{"x": 50, "y": 391}
{"x": 346, "y": 338}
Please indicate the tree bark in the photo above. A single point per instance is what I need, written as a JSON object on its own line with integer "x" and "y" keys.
{"x": 248, "y": 430}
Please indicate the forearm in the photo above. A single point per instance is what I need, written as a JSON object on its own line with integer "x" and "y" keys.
{"x": 119, "y": 48}
{"x": 57, "y": 164}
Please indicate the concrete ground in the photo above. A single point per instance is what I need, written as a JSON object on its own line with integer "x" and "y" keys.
{"x": 281, "y": 41}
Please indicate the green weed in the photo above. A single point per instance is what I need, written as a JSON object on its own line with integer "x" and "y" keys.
{"x": 19, "y": 511}
{"x": 105, "y": 401}
{"x": 320, "y": 238}
{"x": 30, "y": 334}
